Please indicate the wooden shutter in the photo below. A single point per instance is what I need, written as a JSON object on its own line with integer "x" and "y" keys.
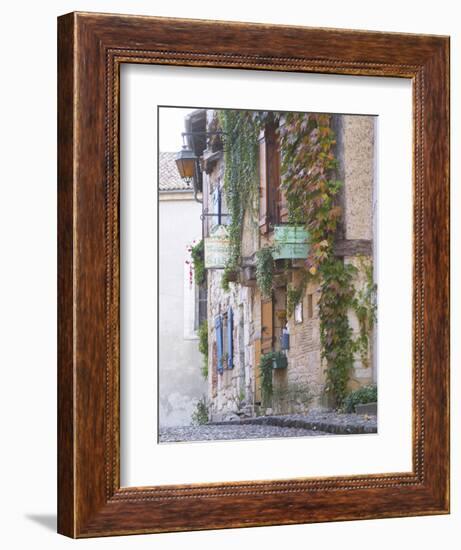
{"x": 219, "y": 343}
{"x": 283, "y": 198}
{"x": 275, "y": 198}
{"x": 283, "y": 206}
{"x": 282, "y": 203}
{"x": 263, "y": 221}
{"x": 272, "y": 175}
{"x": 272, "y": 204}
{"x": 230, "y": 340}
{"x": 263, "y": 344}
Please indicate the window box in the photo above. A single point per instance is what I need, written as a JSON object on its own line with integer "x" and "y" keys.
{"x": 290, "y": 242}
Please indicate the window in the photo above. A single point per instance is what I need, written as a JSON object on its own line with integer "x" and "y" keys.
{"x": 216, "y": 208}
{"x": 224, "y": 325}
{"x": 273, "y": 209}
{"x": 195, "y": 300}
{"x": 200, "y": 304}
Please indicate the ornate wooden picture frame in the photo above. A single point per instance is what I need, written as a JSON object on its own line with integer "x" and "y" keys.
{"x": 92, "y": 47}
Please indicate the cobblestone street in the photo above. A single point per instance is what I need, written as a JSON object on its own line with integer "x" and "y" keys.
{"x": 221, "y": 432}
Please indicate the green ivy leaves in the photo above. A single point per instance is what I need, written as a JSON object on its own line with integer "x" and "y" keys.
{"x": 338, "y": 346}
{"x": 265, "y": 271}
{"x": 265, "y": 369}
{"x": 308, "y": 165}
{"x": 198, "y": 259}
{"x": 240, "y": 176}
{"x": 308, "y": 168}
{"x": 203, "y": 346}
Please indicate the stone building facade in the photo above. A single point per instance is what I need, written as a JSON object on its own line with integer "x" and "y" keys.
{"x": 242, "y": 325}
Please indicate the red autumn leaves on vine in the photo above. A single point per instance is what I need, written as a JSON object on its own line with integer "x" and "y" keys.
{"x": 308, "y": 167}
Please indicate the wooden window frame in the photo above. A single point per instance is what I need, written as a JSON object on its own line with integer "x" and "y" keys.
{"x": 91, "y": 501}
{"x": 262, "y": 174}
{"x": 273, "y": 211}
{"x": 274, "y": 196}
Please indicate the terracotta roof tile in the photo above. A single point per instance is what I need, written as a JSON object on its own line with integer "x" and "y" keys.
{"x": 169, "y": 179}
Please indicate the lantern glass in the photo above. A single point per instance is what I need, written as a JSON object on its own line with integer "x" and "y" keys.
{"x": 185, "y": 161}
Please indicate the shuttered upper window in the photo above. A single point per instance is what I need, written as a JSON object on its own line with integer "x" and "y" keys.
{"x": 272, "y": 207}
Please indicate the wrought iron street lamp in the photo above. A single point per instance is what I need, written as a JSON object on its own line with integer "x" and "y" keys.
{"x": 186, "y": 162}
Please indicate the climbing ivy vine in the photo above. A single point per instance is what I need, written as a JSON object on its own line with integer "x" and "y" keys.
{"x": 265, "y": 369}
{"x": 240, "y": 177}
{"x": 295, "y": 293}
{"x": 338, "y": 344}
{"x": 308, "y": 168}
{"x": 203, "y": 347}
{"x": 265, "y": 270}
{"x": 198, "y": 260}
{"x": 364, "y": 306}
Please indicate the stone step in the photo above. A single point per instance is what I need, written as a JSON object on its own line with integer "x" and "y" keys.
{"x": 367, "y": 408}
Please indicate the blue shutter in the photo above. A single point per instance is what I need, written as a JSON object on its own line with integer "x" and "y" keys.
{"x": 230, "y": 340}
{"x": 218, "y": 327}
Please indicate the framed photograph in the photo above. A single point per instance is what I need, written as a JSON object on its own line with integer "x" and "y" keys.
{"x": 253, "y": 323}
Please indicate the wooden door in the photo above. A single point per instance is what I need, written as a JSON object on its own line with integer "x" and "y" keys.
{"x": 264, "y": 343}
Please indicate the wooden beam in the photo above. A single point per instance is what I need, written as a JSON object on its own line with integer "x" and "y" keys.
{"x": 353, "y": 247}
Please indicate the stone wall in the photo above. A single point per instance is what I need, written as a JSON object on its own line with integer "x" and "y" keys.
{"x": 356, "y": 155}
{"x": 363, "y": 370}
{"x": 233, "y": 388}
{"x": 305, "y": 370}
{"x": 301, "y": 385}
